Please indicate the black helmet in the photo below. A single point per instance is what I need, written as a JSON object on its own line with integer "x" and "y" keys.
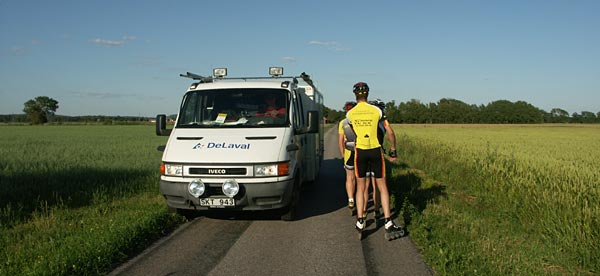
{"x": 360, "y": 88}
{"x": 378, "y": 103}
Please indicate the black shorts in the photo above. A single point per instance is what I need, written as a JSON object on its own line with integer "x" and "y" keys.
{"x": 369, "y": 160}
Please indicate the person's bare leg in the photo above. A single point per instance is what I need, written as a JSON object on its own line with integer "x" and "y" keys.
{"x": 384, "y": 195}
{"x": 360, "y": 200}
{"x": 350, "y": 184}
{"x": 366, "y": 194}
{"x": 376, "y": 202}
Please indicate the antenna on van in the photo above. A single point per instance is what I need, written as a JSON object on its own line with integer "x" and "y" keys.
{"x": 196, "y": 77}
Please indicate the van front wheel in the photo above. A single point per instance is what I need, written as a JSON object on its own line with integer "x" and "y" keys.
{"x": 290, "y": 211}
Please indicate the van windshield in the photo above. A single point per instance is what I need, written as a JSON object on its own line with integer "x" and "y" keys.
{"x": 248, "y": 107}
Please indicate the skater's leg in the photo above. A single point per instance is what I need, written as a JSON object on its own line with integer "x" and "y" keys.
{"x": 384, "y": 196}
{"x": 350, "y": 187}
{"x": 360, "y": 199}
{"x": 366, "y": 195}
{"x": 376, "y": 202}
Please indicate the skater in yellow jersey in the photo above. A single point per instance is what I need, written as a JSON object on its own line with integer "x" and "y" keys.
{"x": 346, "y": 138}
{"x": 364, "y": 119}
{"x": 382, "y": 129}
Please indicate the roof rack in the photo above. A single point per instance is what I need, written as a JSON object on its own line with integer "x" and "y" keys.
{"x": 305, "y": 77}
{"x": 197, "y": 77}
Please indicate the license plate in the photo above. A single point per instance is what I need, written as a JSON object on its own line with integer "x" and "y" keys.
{"x": 217, "y": 202}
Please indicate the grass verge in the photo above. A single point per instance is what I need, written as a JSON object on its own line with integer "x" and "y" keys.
{"x": 74, "y": 200}
{"x": 467, "y": 223}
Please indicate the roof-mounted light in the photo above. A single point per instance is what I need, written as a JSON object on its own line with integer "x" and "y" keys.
{"x": 219, "y": 72}
{"x": 276, "y": 71}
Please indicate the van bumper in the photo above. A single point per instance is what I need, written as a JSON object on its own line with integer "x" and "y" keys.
{"x": 251, "y": 197}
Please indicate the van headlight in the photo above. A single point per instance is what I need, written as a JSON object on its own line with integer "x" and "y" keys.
{"x": 196, "y": 188}
{"x": 230, "y": 188}
{"x": 173, "y": 170}
{"x": 278, "y": 169}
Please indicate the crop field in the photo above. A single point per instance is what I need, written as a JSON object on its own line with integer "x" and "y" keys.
{"x": 517, "y": 199}
{"x": 477, "y": 199}
{"x": 76, "y": 199}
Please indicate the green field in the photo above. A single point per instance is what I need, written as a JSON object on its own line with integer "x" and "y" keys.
{"x": 76, "y": 199}
{"x": 477, "y": 199}
{"x": 501, "y": 199}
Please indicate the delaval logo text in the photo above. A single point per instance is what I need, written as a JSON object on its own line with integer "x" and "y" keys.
{"x": 223, "y": 145}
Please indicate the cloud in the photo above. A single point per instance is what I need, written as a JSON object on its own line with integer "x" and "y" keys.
{"x": 323, "y": 43}
{"x": 107, "y": 43}
{"x": 113, "y": 43}
{"x": 35, "y": 42}
{"x": 19, "y": 51}
{"x": 114, "y": 96}
{"x": 342, "y": 49}
{"x": 100, "y": 95}
{"x": 331, "y": 45}
{"x": 288, "y": 59}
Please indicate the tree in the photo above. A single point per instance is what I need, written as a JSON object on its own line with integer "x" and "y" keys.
{"x": 392, "y": 112}
{"x": 452, "y": 111}
{"x": 559, "y": 115}
{"x": 333, "y": 115}
{"x": 588, "y": 117}
{"x": 413, "y": 112}
{"x": 38, "y": 110}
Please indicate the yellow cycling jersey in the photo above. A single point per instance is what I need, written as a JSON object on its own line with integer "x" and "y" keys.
{"x": 365, "y": 120}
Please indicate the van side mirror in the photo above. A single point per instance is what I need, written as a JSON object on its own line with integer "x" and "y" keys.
{"x": 161, "y": 125}
{"x": 313, "y": 122}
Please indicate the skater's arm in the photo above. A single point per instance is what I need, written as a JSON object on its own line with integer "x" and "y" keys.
{"x": 392, "y": 136}
{"x": 341, "y": 144}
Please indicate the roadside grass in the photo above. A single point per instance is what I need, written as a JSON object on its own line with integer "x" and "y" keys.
{"x": 77, "y": 199}
{"x": 512, "y": 202}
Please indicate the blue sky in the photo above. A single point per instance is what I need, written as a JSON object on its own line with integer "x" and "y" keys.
{"x": 125, "y": 57}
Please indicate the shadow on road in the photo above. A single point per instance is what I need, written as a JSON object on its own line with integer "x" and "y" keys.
{"x": 327, "y": 194}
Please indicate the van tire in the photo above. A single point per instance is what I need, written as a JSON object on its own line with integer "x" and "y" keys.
{"x": 290, "y": 211}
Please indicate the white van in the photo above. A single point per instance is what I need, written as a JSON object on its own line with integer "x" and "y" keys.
{"x": 242, "y": 143}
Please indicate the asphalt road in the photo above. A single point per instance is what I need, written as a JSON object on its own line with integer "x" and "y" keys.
{"x": 322, "y": 241}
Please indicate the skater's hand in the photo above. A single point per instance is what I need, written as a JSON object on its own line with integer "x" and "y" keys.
{"x": 393, "y": 155}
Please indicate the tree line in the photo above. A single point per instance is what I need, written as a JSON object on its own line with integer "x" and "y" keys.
{"x": 42, "y": 109}
{"x": 446, "y": 111}
{"x": 452, "y": 111}
{"x": 59, "y": 119}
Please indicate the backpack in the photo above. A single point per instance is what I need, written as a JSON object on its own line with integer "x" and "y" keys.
{"x": 349, "y": 134}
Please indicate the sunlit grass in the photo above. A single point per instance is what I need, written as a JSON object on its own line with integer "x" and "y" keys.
{"x": 76, "y": 199}
{"x": 520, "y": 199}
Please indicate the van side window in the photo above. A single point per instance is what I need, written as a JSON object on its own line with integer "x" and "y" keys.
{"x": 190, "y": 111}
{"x": 298, "y": 118}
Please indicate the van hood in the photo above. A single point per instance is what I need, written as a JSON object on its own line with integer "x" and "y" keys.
{"x": 238, "y": 145}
